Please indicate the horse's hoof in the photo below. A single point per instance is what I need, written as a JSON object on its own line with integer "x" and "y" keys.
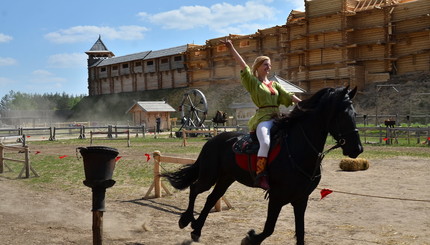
{"x": 249, "y": 239}
{"x": 184, "y": 221}
{"x": 195, "y": 237}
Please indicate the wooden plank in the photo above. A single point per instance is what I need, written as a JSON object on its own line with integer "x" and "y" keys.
{"x": 177, "y": 160}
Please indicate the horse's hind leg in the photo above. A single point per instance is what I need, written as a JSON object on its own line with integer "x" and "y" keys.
{"x": 188, "y": 216}
{"x": 195, "y": 189}
{"x": 218, "y": 191}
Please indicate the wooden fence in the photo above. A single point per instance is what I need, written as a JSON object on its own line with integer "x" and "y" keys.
{"x": 27, "y": 168}
{"x": 392, "y": 135}
{"x": 158, "y": 184}
{"x": 110, "y": 137}
{"x": 185, "y": 132}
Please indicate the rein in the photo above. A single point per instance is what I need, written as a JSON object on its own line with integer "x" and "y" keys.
{"x": 320, "y": 156}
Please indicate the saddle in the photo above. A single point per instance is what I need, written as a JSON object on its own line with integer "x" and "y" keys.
{"x": 246, "y": 149}
{"x": 246, "y": 144}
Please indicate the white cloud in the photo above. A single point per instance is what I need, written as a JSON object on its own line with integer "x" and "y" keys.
{"x": 46, "y": 77}
{"x": 5, "y": 38}
{"x": 7, "y": 61}
{"x": 218, "y": 17}
{"x": 87, "y": 33}
{"x": 67, "y": 60}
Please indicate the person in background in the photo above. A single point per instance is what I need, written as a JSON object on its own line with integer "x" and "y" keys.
{"x": 267, "y": 96}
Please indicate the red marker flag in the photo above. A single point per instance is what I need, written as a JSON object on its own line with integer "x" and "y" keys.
{"x": 117, "y": 158}
{"x": 385, "y": 139}
{"x": 63, "y": 156}
{"x": 147, "y": 157}
{"x": 37, "y": 152}
{"x": 325, "y": 192}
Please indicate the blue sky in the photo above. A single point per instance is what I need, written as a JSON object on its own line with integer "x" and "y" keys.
{"x": 43, "y": 42}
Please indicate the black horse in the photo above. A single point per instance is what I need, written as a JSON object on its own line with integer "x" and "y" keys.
{"x": 293, "y": 174}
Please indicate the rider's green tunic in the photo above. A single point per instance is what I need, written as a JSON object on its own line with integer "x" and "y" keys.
{"x": 266, "y": 100}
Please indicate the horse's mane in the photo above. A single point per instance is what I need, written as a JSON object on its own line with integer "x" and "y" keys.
{"x": 314, "y": 103}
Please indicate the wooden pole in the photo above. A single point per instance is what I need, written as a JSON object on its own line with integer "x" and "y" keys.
{"x": 1, "y": 159}
{"x": 27, "y": 162}
{"x": 97, "y": 227}
{"x": 157, "y": 179}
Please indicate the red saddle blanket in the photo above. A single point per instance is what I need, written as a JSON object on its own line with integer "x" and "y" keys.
{"x": 242, "y": 159}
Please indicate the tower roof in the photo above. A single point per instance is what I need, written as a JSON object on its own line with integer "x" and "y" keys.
{"x": 99, "y": 48}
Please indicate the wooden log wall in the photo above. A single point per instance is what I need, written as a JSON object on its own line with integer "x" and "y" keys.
{"x": 347, "y": 41}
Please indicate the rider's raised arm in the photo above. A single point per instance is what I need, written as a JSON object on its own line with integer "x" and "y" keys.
{"x": 239, "y": 60}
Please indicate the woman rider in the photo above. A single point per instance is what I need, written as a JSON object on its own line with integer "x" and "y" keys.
{"x": 267, "y": 96}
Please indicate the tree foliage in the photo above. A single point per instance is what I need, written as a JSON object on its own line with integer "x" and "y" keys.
{"x": 24, "y": 101}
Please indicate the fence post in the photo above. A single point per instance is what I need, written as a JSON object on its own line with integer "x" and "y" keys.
{"x": 157, "y": 179}
{"x": 428, "y": 136}
{"x": 184, "y": 138}
{"x": 418, "y": 136}
{"x": 82, "y": 132}
{"x": 109, "y": 131}
{"x": 27, "y": 162}
{"x": 1, "y": 159}
{"x": 50, "y": 134}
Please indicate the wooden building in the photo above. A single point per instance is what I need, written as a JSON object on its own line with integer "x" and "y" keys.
{"x": 149, "y": 70}
{"x": 146, "y": 113}
{"x": 356, "y": 42}
{"x": 331, "y": 43}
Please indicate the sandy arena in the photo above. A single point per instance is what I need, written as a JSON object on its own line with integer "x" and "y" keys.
{"x": 387, "y": 204}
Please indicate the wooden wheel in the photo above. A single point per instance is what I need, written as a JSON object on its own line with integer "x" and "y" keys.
{"x": 194, "y": 109}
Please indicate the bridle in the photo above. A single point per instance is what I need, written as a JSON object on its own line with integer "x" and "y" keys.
{"x": 341, "y": 141}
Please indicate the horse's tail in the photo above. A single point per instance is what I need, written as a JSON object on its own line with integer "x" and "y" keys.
{"x": 184, "y": 177}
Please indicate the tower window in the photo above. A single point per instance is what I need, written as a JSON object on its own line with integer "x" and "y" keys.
{"x": 150, "y": 63}
{"x": 124, "y": 66}
{"x": 177, "y": 58}
{"x": 103, "y": 69}
{"x": 164, "y": 61}
{"x": 114, "y": 68}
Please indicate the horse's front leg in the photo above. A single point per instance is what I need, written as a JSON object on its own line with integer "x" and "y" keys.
{"x": 299, "y": 216}
{"x": 273, "y": 210}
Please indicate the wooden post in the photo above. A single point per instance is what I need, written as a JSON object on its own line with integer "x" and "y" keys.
{"x": 157, "y": 179}
{"x": 128, "y": 138}
{"x": 184, "y": 137}
{"x": 97, "y": 227}
{"x": 27, "y": 162}
{"x": 1, "y": 159}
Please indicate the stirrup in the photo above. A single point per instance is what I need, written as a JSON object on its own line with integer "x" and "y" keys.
{"x": 262, "y": 180}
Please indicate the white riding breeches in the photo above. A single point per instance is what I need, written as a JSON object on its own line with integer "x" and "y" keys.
{"x": 263, "y": 135}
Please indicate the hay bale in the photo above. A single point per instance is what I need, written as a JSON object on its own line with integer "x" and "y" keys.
{"x": 349, "y": 164}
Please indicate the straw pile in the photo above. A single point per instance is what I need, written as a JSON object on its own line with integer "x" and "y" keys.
{"x": 349, "y": 164}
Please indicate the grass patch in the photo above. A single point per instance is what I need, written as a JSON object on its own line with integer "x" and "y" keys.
{"x": 132, "y": 171}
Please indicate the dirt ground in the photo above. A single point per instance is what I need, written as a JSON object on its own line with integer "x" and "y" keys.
{"x": 387, "y": 204}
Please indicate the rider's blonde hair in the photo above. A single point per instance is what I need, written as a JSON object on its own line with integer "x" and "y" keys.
{"x": 257, "y": 63}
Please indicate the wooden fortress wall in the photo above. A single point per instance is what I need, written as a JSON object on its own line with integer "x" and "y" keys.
{"x": 334, "y": 42}
{"x": 331, "y": 43}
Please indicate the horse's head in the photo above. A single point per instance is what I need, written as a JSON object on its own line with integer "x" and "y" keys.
{"x": 342, "y": 123}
